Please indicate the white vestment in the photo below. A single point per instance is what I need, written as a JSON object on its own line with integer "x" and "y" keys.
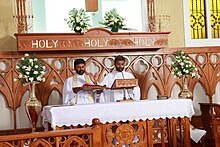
{"x": 82, "y": 97}
{"x": 114, "y": 95}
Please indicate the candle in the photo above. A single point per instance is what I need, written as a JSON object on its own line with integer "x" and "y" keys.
{"x": 31, "y": 9}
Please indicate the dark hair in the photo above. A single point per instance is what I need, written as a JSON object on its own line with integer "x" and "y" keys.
{"x": 79, "y": 61}
{"x": 119, "y": 58}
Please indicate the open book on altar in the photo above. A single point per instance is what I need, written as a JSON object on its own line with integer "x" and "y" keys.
{"x": 124, "y": 83}
{"x": 88, "y": 87}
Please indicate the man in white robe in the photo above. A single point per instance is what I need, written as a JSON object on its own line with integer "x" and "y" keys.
{"x": 119, "y": 73}
{"x": 72, "y": 90}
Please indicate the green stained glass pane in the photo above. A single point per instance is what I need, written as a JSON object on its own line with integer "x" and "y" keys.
{"x": 198, "y": 19}
{"x": 215, "y": 18}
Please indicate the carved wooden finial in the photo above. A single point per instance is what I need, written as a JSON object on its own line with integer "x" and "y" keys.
{"x": 95, "y": 121}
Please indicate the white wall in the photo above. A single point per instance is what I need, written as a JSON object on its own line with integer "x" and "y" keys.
{"x": 129, "y": 9}
{"x": 56, "y": 11}
{"x": 7, "y": 118}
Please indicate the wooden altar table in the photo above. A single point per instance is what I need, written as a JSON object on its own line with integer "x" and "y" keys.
{"x": 59, "y": 115}
{"x": 126, "y": 120}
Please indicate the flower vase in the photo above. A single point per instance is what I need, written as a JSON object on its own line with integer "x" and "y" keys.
{"x": 77, "y": 31}
{"x": 185, "y": 93}
{"x": 33, "y": 106}
{"x": 114, "y": 29}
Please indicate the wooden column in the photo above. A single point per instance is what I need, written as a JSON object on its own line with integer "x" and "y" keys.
{"x": 97, "y": 135}
{"x": 172, "y": 131}
{"x": 186, "y": 131}
{"x": 150, "y": 124}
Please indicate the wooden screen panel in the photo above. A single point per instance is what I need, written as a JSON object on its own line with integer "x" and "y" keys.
{"x": 156, "y": 73}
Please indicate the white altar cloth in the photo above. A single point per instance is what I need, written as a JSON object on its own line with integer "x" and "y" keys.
{"x": 197, "y": 134}
{"x": 120, "y": 111}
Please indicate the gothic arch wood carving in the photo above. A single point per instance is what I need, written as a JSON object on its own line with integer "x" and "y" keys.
{"x": 39, "y": 143}
{"x": 75, "y": 142}
{"x": 158, "y": 75}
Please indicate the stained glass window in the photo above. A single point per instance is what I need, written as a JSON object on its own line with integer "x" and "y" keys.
{"x": 198, "y": 19}
{"x": 215, "y": 18}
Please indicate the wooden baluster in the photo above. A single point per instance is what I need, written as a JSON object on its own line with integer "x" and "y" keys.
{"x": 169, "y": 130}
{"x": 149, "y": 124}
{"x": 22, "y": 143}
{"x": 161, "y": 123}
{"x": 186, "y": 131}
{"x": 57, "y": 141}
{"x": 172, "y": 132}
{"x": 97, "y": 133}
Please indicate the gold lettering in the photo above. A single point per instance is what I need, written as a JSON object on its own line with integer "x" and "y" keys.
{"x": 142, "y": 42}
{"x": 98, "y": 41}
{"x": 93, "y": 43}
{"x": 34, "y": 43}
{"x": 148, "y": 42}
{"x": 87, "y": 43}
{"x": 105, "y": 42}
{"x": 135, "y": 42}
{"x": 47, "y": 44}
{"x": 42, "y": 43}
{"x": 55, "y": 43}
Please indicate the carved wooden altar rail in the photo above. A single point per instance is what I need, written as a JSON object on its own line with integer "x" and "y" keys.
{"x": 63, "y": 138}
{"x": 154, "y": 71}
{"x": 135, "y": 134}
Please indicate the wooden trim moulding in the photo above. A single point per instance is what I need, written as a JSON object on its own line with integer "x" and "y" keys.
{"x": 95, "y": 39}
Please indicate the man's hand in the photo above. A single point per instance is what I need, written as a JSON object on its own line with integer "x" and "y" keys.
{"x": 77, "y": 89}
{"x": 99, "y": 91}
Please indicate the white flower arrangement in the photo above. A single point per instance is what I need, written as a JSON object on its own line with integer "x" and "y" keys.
{"x": 182, "y": 66}
{"x": 78, "y": 20}
{"x": 30, "y": 70}
{"x": 113, "y": 20}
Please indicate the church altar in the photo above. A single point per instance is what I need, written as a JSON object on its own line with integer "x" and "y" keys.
{"x": 139, "y": 123}
{"x": 58, "y": 115}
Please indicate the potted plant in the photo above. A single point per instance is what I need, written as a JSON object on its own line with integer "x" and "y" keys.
{"x": 31, "y": 71}
{"x": 182, "y": 67}
{"x": 113, "y": 20}
{"x": 78, "y": 21}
